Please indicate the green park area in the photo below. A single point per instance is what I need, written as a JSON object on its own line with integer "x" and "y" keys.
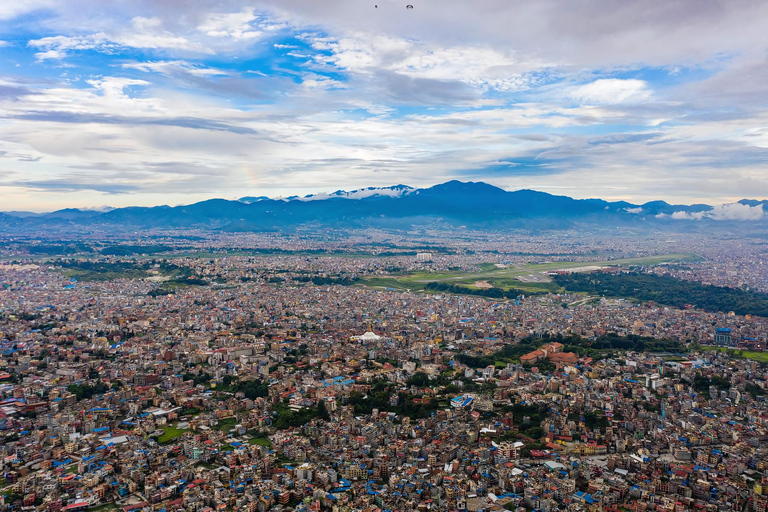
{"x": 226, "y": 424}
{"x": 747, "y": 354}
{"x": 104, "y": 508}
{"x": 170, "y": 433}
{"x": 528, "y": 278}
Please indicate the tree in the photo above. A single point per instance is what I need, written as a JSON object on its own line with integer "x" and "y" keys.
{"x": 322, "y": 411}
{"x": 418, "y": 379}
{"x": 85, "y": 391}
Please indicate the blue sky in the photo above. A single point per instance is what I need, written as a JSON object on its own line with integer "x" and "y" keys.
{"x": 167, "y": 102}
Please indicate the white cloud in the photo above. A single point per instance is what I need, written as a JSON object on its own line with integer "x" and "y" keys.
{"x": 167, "y": 67}
{"x": 56, "y": 47}
{"x": 611, "y": 91}
{"x": 318, "y": 82}
{"x": 308, "y": 134}
{"x": 114, "y": 86}
{"x": 237, "y": 25}
{"x": 479, "y": 66}
{"x": 146, "y": 33}
{"x": 737, "y": 211}
{"x": 728, "y": 211}
{"x": 12, "y": 8}
{"x": 50, "y": 54}
{"x": 598, "y": 34}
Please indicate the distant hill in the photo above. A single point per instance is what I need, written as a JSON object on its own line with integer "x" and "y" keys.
{"x": 22, "y": 215}
{"x": 452, "y": 204}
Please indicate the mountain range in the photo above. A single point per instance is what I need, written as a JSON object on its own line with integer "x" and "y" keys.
{"x": 451, "y": 204}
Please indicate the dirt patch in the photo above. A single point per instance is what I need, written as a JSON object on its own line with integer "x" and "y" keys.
{"x": 158, "y": 279}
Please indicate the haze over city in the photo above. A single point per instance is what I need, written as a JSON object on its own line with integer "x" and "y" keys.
{"x": 166, "y": 102}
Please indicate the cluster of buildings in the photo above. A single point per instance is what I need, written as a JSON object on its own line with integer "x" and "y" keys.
{"x": 552, "y": 352}
{"x": 264, "y": 394}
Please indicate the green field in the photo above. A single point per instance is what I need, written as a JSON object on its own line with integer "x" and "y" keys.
{"x": 169, "y": 434}
{"x": 261, "y": 441}
{"x": 84, "y": 275}
{"x": 748, "y": 354}
{"x": 528, "y": 277}
{"x": 226, "y": 424}
{"x": 104, "y": 508}
{"x": 646, "y": 260}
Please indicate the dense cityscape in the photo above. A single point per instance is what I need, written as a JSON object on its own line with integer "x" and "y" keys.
{"x": 350, "y": 256}
{"x": 293, "y": 380}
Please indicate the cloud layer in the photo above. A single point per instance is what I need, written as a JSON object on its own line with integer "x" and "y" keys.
{"x": 730, "y": 211}
{"x": 163, "y": 101}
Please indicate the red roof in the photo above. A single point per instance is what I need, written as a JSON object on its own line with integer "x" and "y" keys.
{"x": 76, "y": 505}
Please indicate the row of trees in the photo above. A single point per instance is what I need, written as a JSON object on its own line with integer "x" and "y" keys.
{"x": 613, "y": 341}
{"x": 58, "y": 249}
{"x": 286, "y": 417}
{"x": 364, "y": 404}
{"x": 492, "y": 293}
{"x": 325, "y": 281}
{"x": 509, "y": 354}
{"x": 667, "y": 290}
{"x": 86, "y": 391}
{"x": 251, "y": 388}
{"x": 701, "y": 383}
{"x": 134, "y": 250}
{"x": 599, "y": 347}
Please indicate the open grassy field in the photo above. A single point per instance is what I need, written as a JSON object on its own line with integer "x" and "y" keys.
{"x": 226, "y": 424}
{"x": 104, "y": 508}
{"x": 755, "y": 356}
{"x": 169, "y": 434}
{"x": 531, "y": 277}
{"x": 647, "y": 260}
{"x": 85, "y": 275}
{"x": 393, "y": 283}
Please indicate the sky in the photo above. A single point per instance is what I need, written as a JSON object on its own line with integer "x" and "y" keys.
{"x": 147, "y": 102}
